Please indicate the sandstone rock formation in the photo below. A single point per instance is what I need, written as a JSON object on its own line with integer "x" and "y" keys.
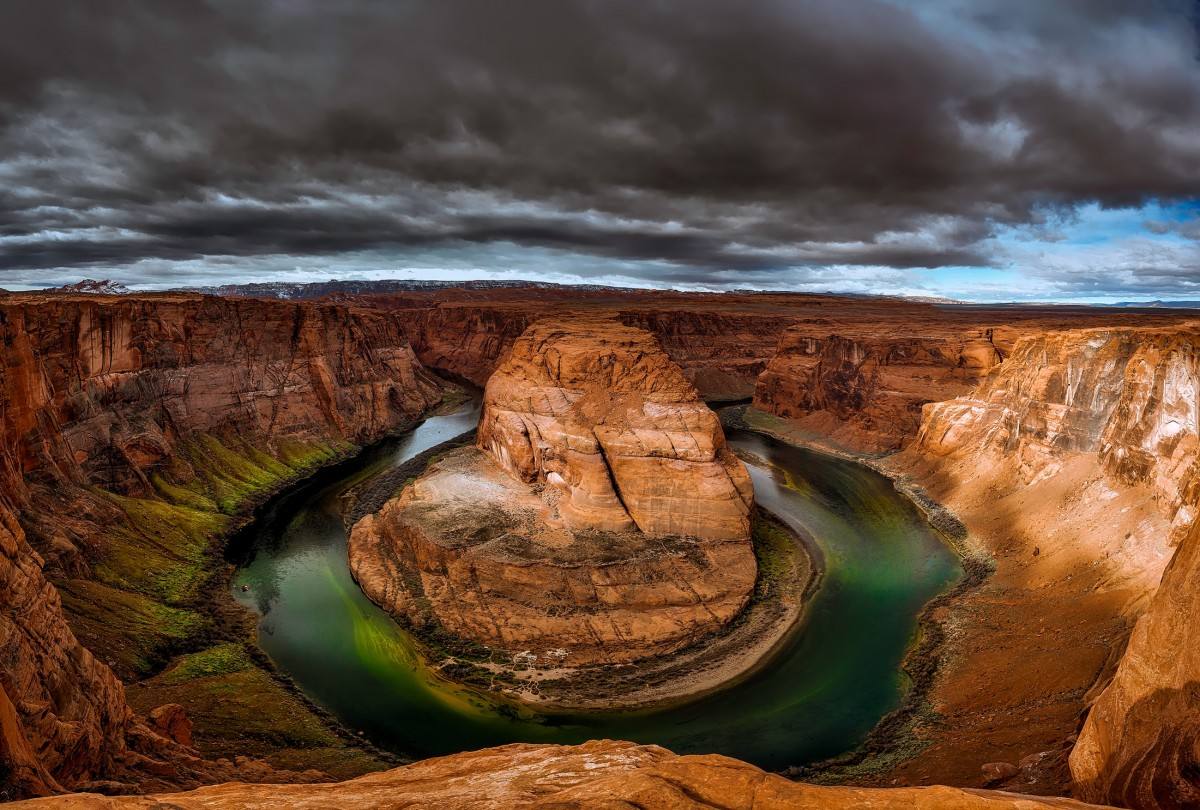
{"x": 1140, "y": 746}
{"x": 171, "y": 721}
{"x": 600, "y": 774}
{"x": 131, "y": 429}
{"x": 866, "y": 390}
{"x": 721, "y": 351}
{"x": 1129, "y": 396}
{"x": 598, "y": 413}
{"x": 1072, "y": 464}
{"x": 606, "y": 521}
{"x": 856, "y": 370}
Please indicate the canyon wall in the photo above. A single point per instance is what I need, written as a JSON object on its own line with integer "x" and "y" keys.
{"x": 592, "y": 776}
{"x": 1073, "y": 464}
{"x": 865, "y": 389}
{"x": 1140, "y": 746}
{"x": 133, "y": 432}
{"x": 720, "y": 352}
{"x": 1126, "y": 396}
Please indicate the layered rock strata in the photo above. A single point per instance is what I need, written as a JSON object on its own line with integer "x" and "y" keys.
{"x": 866, "y": 391}
{"x": 720, "y": 352}
{"x": 601, "y": 519}
{"x": 1073, "y": 465}
{"x": 852, "y": 369}
{"x": 132, "y": 431}
{"x": 600, "y": 774}
{"x": 597, "y": 413}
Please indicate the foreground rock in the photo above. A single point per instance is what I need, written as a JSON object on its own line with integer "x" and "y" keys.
{"x": 598, "y": 774}
{"x": 601, "y": 519}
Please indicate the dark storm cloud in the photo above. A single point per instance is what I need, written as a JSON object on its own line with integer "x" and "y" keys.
{"x": 710, "y": 135}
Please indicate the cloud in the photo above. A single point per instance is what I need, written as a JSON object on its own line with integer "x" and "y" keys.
{"x": 697, "y": 142}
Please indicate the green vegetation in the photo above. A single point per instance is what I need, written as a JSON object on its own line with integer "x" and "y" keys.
{"x": 143, "y": 602}
{"x": 160, "y": 550}
{"x": 773, "y": 549}
{"x": 242, "y": 710}
{"x": 234, "y": 477}
{"x": 224, "y": 659}
{"x": 126, "y": 629}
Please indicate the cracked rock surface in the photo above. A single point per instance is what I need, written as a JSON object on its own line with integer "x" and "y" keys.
{"x": 600, "y": 519}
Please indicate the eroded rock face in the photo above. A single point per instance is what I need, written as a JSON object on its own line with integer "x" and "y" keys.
{"x": 98, "y": 397}
{"x": 720, "y": 352}
{"x": 598, "y": 413}
{"x": 1072, "y": 464}
{"x": 599, "y": 774}
{"x": 601, "y": 519}
{"x": 1129, "y": 396}
{"x": 1140, "y": 746}
{"x": 866, "y": 390}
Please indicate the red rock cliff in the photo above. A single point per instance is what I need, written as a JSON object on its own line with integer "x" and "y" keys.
{"x": 129, "y": 428}
{"x": 721, "y": 352}
{"x": 866, "y": 390}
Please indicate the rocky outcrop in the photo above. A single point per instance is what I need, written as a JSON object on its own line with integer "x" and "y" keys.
{"x": 598, "y": 414}
{"x": 131, "y": 430}
{"x": 600, "y": 774}
{"x": 172, "y": 722}
{"x": 602, "y": 519}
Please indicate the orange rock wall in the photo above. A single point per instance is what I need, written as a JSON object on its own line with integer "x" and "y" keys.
{"x": 99, "y": 392}
{"x": 866, "y": 391}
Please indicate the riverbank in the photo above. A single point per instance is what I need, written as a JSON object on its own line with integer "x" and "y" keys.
{"x": 789, "y": 568}
{"x": 1003, "y": 667}
{"x": 898, "y": 736}
{"x": 240, "y": 703}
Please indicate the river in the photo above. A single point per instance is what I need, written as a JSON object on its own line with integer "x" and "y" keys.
{"x": 821, "y": 693}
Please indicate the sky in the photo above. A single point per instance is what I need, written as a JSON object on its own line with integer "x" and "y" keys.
{"x": 988, "y": 150}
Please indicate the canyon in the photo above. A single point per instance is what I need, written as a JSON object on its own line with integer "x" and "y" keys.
{"x": 139, "y": 431}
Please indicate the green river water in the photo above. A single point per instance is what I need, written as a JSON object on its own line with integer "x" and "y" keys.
{"x": 821, "y": 693}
